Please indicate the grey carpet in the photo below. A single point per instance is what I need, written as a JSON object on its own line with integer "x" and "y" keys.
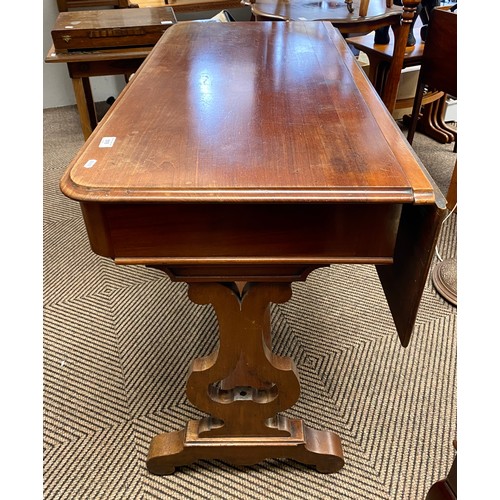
{"x": 117, "y": 341}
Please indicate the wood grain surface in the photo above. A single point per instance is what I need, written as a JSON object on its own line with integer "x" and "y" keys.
{"x": 262, "y": 111}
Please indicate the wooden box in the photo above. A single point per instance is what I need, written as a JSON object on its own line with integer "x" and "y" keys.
{"x": 111, "y": 28}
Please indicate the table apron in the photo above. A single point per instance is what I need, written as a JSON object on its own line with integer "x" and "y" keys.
{"x": 252, "y": 234}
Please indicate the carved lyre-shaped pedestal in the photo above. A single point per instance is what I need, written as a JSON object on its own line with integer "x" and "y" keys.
{"x": 243, "y": 386}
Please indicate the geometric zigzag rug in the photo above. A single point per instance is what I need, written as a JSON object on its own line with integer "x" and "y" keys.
{"x": 118, "y": 340}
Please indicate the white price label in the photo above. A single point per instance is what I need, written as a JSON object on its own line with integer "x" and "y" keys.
{"x": 107, "y": 142}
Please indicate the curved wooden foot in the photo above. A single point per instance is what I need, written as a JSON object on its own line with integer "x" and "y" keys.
{"x": 318, "y": 448}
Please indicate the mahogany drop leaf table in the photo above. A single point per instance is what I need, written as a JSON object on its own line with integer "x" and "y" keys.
{"x": 241, "y": 157}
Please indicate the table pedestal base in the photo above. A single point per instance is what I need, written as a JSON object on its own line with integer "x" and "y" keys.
{"x": 243, "y": 386}
{"x": 319, "y": 448}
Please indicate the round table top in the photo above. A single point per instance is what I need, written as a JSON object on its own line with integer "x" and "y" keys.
{"x": 335, "y": 11}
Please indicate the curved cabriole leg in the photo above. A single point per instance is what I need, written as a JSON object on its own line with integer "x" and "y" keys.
{"x": 243, "y": 386}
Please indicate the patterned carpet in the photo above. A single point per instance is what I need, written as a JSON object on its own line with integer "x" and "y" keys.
{"x": 117, "y": 341}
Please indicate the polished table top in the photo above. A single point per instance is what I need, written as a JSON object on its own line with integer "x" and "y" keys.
{"x": 252, "y": 111}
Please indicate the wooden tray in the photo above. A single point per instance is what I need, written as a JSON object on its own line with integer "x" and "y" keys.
{"x": 98, "y": 29}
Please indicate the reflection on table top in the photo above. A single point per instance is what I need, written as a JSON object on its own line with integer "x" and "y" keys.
{"x": 269, "y": 111}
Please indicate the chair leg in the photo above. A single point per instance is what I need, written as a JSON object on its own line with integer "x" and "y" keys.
{"x": 417, "y": 103}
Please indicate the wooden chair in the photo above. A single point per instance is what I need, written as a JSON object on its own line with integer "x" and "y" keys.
{"x": 438, "y": 70}
{"x": 65, "y": 5}
{"x": 380, "y": 57}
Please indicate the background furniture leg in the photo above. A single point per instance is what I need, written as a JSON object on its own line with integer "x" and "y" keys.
{"x": 81, "y": 87}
